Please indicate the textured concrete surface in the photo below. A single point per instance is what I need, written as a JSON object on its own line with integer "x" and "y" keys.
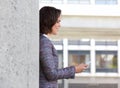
{"x": 19, "y": 44}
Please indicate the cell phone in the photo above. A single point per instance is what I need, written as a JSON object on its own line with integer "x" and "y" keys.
{"x": 88, "y": 63}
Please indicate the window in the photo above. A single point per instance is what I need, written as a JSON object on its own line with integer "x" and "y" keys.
{"x": 79, "y": 1}
{"x": 60, "y": 58}
{"x": 52, "y": 1}
{"x": 77, "y": 57}
{"x": 106, "y": 1}
{"x": 106, "y": 61}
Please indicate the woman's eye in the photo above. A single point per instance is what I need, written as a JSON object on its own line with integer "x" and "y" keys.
{"x": 58, "y": 21}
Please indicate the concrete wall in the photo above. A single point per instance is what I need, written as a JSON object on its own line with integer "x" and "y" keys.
{"x": 19, "y": 44}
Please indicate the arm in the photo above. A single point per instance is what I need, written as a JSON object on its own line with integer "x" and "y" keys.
{"x": 49, "y": 66}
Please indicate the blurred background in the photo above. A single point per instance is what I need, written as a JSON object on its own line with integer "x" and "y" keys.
{"x": 90, "y": 32}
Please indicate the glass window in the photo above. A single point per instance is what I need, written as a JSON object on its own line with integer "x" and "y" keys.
{"x": 106, "y": 1}
{"x": 106, "y": 43}
{"x": 106, "y": 61}
{"x": 79, "y": 1}
{"x": 60, "y": 57}
{"x": 60, "y": 65}
{"x": 51, "y": 1}
{"x": 79, "y": 42}
{"x": 77, "y": 57}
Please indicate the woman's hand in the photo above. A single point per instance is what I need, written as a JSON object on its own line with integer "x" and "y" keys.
{"x": 81, "y": 67}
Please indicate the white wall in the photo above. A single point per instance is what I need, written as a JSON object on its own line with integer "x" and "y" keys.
{"x": 91, "y": 22}
{"x": 86, "y": 10}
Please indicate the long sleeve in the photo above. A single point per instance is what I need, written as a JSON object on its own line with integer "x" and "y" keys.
{"x": 49, "y": 63}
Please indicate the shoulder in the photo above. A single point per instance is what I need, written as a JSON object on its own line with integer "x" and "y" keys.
{"x": 44, "y": 41}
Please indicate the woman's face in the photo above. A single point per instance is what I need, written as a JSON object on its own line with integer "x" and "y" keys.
{"x": 56, "y": 26}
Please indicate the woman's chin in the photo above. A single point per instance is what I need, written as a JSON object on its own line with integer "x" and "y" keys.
{"x": 55, "y": 33}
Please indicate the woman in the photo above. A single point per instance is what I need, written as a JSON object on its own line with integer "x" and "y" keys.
{"x": 49, "y": 72}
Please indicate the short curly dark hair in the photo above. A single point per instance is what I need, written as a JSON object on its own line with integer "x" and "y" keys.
{"x": 47, "y": 18}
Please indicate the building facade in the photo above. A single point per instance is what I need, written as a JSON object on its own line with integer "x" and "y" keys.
{"x": 90, "y": 33}
{"x": 88, "y": 18}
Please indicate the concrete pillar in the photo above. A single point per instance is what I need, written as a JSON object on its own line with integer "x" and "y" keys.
{"x": 19, "y": 44}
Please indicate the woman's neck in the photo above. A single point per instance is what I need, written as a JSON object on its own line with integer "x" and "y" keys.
{"x": 48, "y": 35}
